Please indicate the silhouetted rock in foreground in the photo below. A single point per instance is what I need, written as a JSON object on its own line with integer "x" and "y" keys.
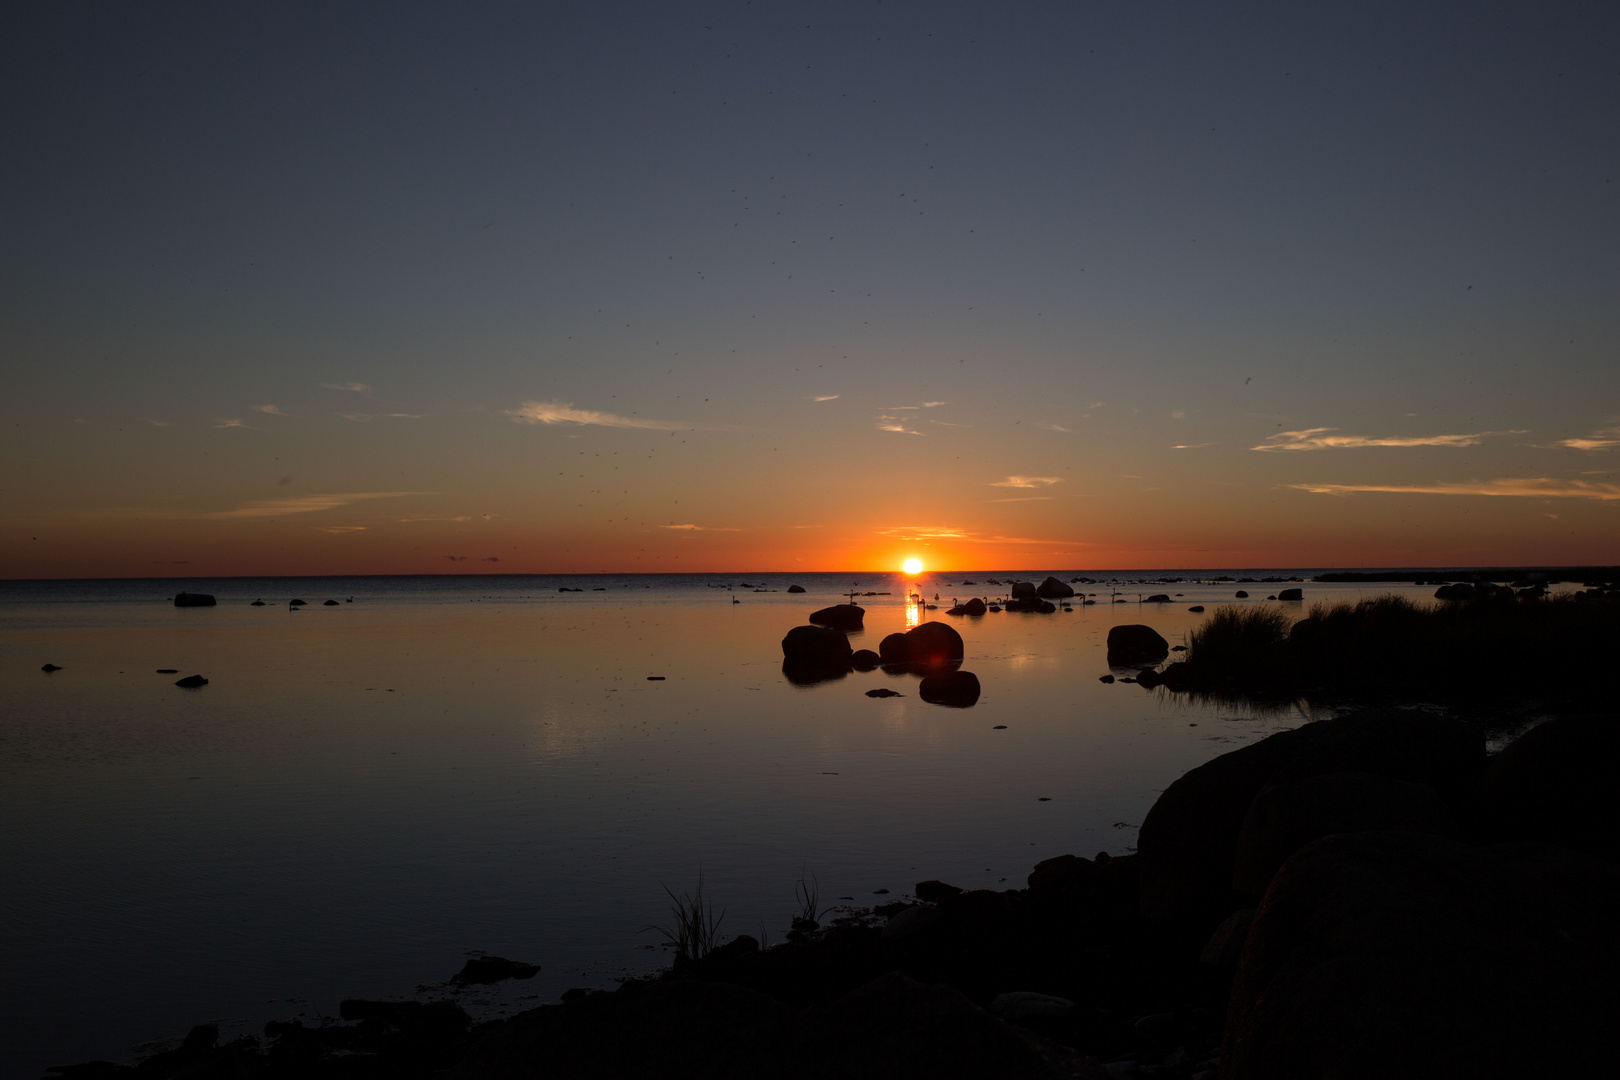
{"x": 1555, "y": 784}
{"x": 864, "y": 660}
{"x": 1134, "y": 643}
{"x": 956, "y": 688}
{"x": 933, "y": 646}
{"x": 191, "y": 682}
{"x": 192, "y": 599}
{"x": 840, "y": 617}
{"x": 795, "y": 588}
{"x": 816, "y": 643}
{"x": 492, "y": 969}
{"x": 1410, "y": 956}
{"x": 1189, "y": 839}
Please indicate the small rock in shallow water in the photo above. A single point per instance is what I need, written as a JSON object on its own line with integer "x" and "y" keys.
{"x": 191, "y": 682}
{"x": 655, "y": 678}
{"x": 999, "y": 727}
{"x": 168, "y": 671}
{"x": 883, "y": 691}
{"x": 1105, "y": 678}
{"x": 492, "y": 969}
{"x": 48, "y": 668}
{"x": 330, "y": 603}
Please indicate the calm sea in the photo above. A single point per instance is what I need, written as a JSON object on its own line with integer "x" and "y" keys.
{"x": 366, "y": 794}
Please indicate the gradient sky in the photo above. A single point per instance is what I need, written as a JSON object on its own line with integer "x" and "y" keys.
{"x": 408, "y": 288}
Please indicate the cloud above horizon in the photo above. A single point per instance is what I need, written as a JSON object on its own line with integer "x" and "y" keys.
{"x": 699, "y": 528}
{"x": 1529, "y": 487}
{"x": 561, "y": 412}
{"x": 1319, "y": 439}
{"x": 1027, "y": 481}
{"x": 355, "y": 387}
{"x": 1602, "y": 439}
{"x": 307, "y": 504}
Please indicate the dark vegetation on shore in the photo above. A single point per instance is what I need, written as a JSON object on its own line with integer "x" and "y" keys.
{"x": 1491, "y": 573}
{"x": 1486, "y": 646}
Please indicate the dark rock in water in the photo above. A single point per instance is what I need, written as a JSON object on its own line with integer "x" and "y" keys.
{"x": 330, "y": 603}
{"x": 1405, "y": 955}
{"x": 257, "y": 603}
{"x": 1187, "y": 845}
{"x": 191, "y": 682}
{"x": 817, "y": 643}
{"x": 1158, "y": 598}
{"x": 933, "y": 646}
{"x": 168, "y": 671}
{"x": 895, "y": 649}
{"x": 1460, "y": 591}
{"x": 1197, "y": 609}
{"x": 1032, "y": 603}
{"x": 193, "y": 599}
{"x": 932, "y": 892}
{"x": 1291, "y": 594}
{"x": 1241, "y": 595}
{"x": 1147, "y": 678}
{"x": 883, "y": 691}
{"x": 795, "y": 588}
{"x": 1053, "y": 589}
{"x": 865, "y": 660}
{"x": 492, "y": 969}
{"x": 1271, "y": 598}
{"x": 1065, "y": 877}
{"x": 295, "y": 603}
{"x": 655, "y": 678}
{"x": 1285, "y": 818}
{"x": 1133, "y": 643}
{"x": 1175, "y": 676}
{"x": 809, "y": 672}
{"x": 1178, "y": 648}
{"x": 840, "y": 617}
{"x": 1555, "y": 784}
{"x": 1105, "y": 678}
{"x": 48, "y": 668}
{"x": 1024, "y": 590}
{"x": 959, "y": 689}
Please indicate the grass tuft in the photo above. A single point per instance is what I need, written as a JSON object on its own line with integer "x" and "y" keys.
{"x": 694, "y": 928}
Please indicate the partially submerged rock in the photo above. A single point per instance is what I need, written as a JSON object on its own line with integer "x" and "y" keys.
{"x": 191, "y": 682}
{"x": 1135, "y": 643}
{"x": 1053, "y": 589}
{"x": 483, "y": 970}
{"x": 191, "y": 599}
{"x": 840, "y": 617}
{"x": 955, "y": 688}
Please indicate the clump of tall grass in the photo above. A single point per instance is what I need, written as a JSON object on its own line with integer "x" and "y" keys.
{"x": 809, "y": 915}
{"x": 694, "y": 928}
{"x": 1239, "y": 638}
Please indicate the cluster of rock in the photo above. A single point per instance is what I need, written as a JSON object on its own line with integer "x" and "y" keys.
{"x": 821, "y": 651}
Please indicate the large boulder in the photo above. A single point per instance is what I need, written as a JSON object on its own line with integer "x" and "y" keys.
{"x": 816, "y": 644}
{"x": 1291, "y": 594}
{"x": 1283, "y": 819}
{"x": 1032, "y": 603}
{"x": 840, "y": 617}
{"x": 956, "y": 688}
{"x": 1053, "y": 589}
{"x": 1410, "y": 956}
{"x": 974, "y": 606}
{"x": 895, "y": 650}
{"x": 934, "y": 646}
{"x": 1188, "y": 841}
{"x": 1023, "y": 590}
{"x": 1134, "y": 643}
{"x": 1555, "y": 784}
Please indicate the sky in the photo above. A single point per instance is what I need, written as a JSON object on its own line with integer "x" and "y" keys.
{"x": 574, "y": 287}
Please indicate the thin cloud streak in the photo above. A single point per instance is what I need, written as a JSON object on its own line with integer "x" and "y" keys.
{"x": 355, "y": 387}
{"x": 1528, "y": 488}
{"x": 1027, "y": 481}
{"x": 1319, "y": 439}
{"x": 307, "y": 504}
{"x": 826, "y": 397}
{"x": 1604, "y": 439}
{"x": 561, "y": 412}
{"x": 698, "y": 528}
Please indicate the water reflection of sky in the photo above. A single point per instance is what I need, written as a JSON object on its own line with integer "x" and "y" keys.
{"x": 364, "y": 792}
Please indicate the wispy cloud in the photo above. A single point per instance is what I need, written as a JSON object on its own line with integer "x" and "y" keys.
{"x": 918, "y": 533}
{"x": 1056, "y": 427}
{"x": 1603, "y": 439}
{"x": 559, "y": 412}
{"x": 307, "y": 504}
{"x": 341, "y": 528}
{"x": 270, "y": 409}
{"x": 413, "y": 520}
{"x": 356, "y": 387}
{"x": 1319, "y": 439}
{"x": 1023, "y": 498}
{"x": 1192, "y": 446}
{"x": 698, "y": 528}
{"x": 908, "y": 408}
{"x": 230, "y": 424}
{"x": 1027, "y": 481}
{"x": 361, "y": 418}
{"x": 1529, "y": 487}
{"x": 826, "y": 397}
{"x": 896, "y": 424}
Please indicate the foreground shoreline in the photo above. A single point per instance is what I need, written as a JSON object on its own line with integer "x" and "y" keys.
{"x": 1333, "y": 896}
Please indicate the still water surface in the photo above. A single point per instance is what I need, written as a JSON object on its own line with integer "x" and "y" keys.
{"x": 363, "y": 794}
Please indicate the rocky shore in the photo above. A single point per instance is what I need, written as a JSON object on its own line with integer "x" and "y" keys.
{"x": 1369, "y": 895}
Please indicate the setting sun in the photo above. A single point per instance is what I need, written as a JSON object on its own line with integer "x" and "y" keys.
{"x": 911, "y": 566}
